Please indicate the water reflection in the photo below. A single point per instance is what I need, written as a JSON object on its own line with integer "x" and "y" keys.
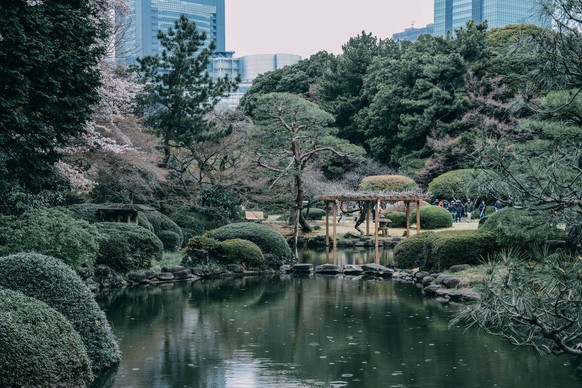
{"x": 340, "y": 257}
{"x": 284, "y": 331}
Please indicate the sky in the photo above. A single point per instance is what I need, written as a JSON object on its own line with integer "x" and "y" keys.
{"x": 304, "y": 27}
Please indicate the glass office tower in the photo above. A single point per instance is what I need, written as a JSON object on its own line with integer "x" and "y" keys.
{"x": 450, "y": 15}
{"x": 148, "y": 16}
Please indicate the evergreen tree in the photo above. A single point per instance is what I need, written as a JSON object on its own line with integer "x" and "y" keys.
{"x": 179, "y": 92}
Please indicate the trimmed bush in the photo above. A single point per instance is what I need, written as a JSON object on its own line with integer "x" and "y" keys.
{"x": 40, "y": 347}
{"x": 194, "y": 223}
{"x": 202, "y": 242}
{"x": 520, "y": 229}
{"x": 127, "y": 247}
{"x": 314, "y": 213}
{"x": 461, "y": 247}
{"x": 52, "y": 232}
{"x": 456, "y": 184}
{"x": 162, "y": 223}
{"x": 269, "y": 240}
{"x": 409, "y": 253}
{"x": 56, "y": 284}
{"x": 245, "y": 252}
{"x": 398, "y": 219}
{"x": 387, "y": 183}
{"x": 85, "y": 211}
{"x": 433, "y": 217}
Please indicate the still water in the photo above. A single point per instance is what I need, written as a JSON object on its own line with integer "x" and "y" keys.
{"x": 287, "y": 331}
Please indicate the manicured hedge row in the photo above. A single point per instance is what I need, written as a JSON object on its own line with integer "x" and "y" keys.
{"x": 440, "y": 250}
{"x": 268, "y": 239}
{"x": 53, "y": 282}
{"x": 387, "y": 183}
{"x": 39, "y": 346}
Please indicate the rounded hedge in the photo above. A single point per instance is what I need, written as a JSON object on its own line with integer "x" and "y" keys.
{"x": 245, "y": 252}
{"x": 398, "y": 219}
{"x": 517, "y": 228}
{"x": 53, "y": 282}
{"x": 166, "y": 229}
{"x": 409, "y": 253}
{"x": 461, "y": 247}
{"x": 269, "y": 240}
{"x": 53, "y": 232}
{"x": 433, "y": 217}
{"x": 455, "y": 184}
{"x": 387, "y": 183}
{"x": 127, "y": 247}
{"x": 39, "y": 345}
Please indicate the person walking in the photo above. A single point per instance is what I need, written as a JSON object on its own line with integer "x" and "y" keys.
{"x": 458, "y": 210}
{"x": 482, "y": 208}
{"x": 497, "y": 205}
{"x": 469, "y": 209}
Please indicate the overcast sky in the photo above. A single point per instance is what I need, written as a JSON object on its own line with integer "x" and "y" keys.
{"x": 304, "y": 27}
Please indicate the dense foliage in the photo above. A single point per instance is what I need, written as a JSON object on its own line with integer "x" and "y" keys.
{"x": 239, "y": 251}
{"x": 53, "y": 282}
{"x": 456, "y": 184}
{"x": 433, "y": 217}
{"x": 39, "y": 345}
{"x": 125, "y": 247}
{"x": 268, "y": 239}
{"x": 398, "y": 219}
{"x": 167, "y": 230}
{"x": 52, "y": 232}
{"x": 387, "y": 183}
{"x": 409, "y": 253}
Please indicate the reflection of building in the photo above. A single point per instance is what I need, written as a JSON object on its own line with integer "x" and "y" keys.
{"x": 148, "y": 16}
{"x": 450, "y": 15}
{"x": 248, "y": 68}
{"x": 412, "y": 33}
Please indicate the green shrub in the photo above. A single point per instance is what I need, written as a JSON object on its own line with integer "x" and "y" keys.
{"x": 245, "y": 252}
{"x": 143, "y": 221}
{"x": 56, "y": 284}
{"x": 202, "y": 242}
{"x": 461, "y": 247}
{"x": 314, "y": 213}
{"x": 269, "y": 240}
{"x": 433, "y": 217}
{"x": 162, "y": 223}
{"x": 398, "y": 219}
{"x": 516, "y": 228}
{"x": 194, "y": 223}
{"x": 127, "y": 247}
{"x": 455, "y": 184}
{"x": 85, "y": 211}
{"x": 387, "y": 183}
{"x": 40, "y": 347}
{"x": 52, "y": 232}
{"x": 409, "y": 253}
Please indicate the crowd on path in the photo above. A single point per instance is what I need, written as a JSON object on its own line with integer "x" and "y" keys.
{"x": 459, "y": 209}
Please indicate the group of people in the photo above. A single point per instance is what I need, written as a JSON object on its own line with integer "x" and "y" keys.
{"x": 459, "y": 209}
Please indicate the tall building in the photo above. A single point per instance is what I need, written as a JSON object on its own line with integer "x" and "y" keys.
{"x": 450, "y": 15}
{"x": 147, "y": 17}
{"x": 413, "y": 33}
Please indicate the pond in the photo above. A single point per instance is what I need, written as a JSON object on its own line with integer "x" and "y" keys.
{"x": 288, "y": 331}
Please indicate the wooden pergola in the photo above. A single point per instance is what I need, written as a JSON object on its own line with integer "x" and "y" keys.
{"x": 370, "y": 198}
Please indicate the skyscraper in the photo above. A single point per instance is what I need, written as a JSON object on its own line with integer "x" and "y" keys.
{"x": 148, "y": 16}
{"x": 450, "y": 15}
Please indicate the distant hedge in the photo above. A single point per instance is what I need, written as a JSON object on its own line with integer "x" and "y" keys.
{"x": 56, "y": 284}
{"x": 167, "y": 230}
{"x": 268, "y": 239}
{"x": 52, "y": 232}
{"x": 455, "y": 184}
{"x": 433, "y": 217}
{"x": 194, "y": 223}
{"x": 387, "y": 183}
{"x": 40, "y": 347}
{"x": 126, "y": 247}
{"x": 438, "y": 251}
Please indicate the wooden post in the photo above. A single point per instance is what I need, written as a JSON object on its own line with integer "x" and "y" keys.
{"x": 334, "y": 225}
{"x": 417, "y": 216}
{"x": 376, "y": 257}
{"x": 327, "y": 223}
{"x": 407, "y": 204}
{"x": 368, "y": 212}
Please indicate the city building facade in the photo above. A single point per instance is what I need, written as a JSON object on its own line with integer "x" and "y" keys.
{"x": 147, "y": 17}
{"x": 413, "y": 33}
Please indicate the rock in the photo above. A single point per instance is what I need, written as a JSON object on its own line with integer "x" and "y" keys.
{"x": 138, "y": 277}
{"x": 330, "y": 269}
{"x": 459, "y": 267}
{"x": 350, "y": 269}
{"x": 165, "y": 276}
{"x": 236, "y": 268}
{"x": 195, "y": 257}
{"x": 378, "y": 269}
{"x": 434, "y": 290}
{"x": 273, "y": 261}
{"x": 451, "y": 282}
{"x": 427, "y": 280}
{"x": 173, "y": 269}
{"x": 106, "y": 277}
{"x": 420, "y": 275}
{"x": 285, "y": 268}
{"x": 360, "y": 243}
{"x": 94, "y": 287}
{"x": 182, "y": 274}
{"x": 85, "y": 272}
{"x": 302, "y": 267}
{"x": 463, "y": 295}
{"x": 151, "y": 273}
